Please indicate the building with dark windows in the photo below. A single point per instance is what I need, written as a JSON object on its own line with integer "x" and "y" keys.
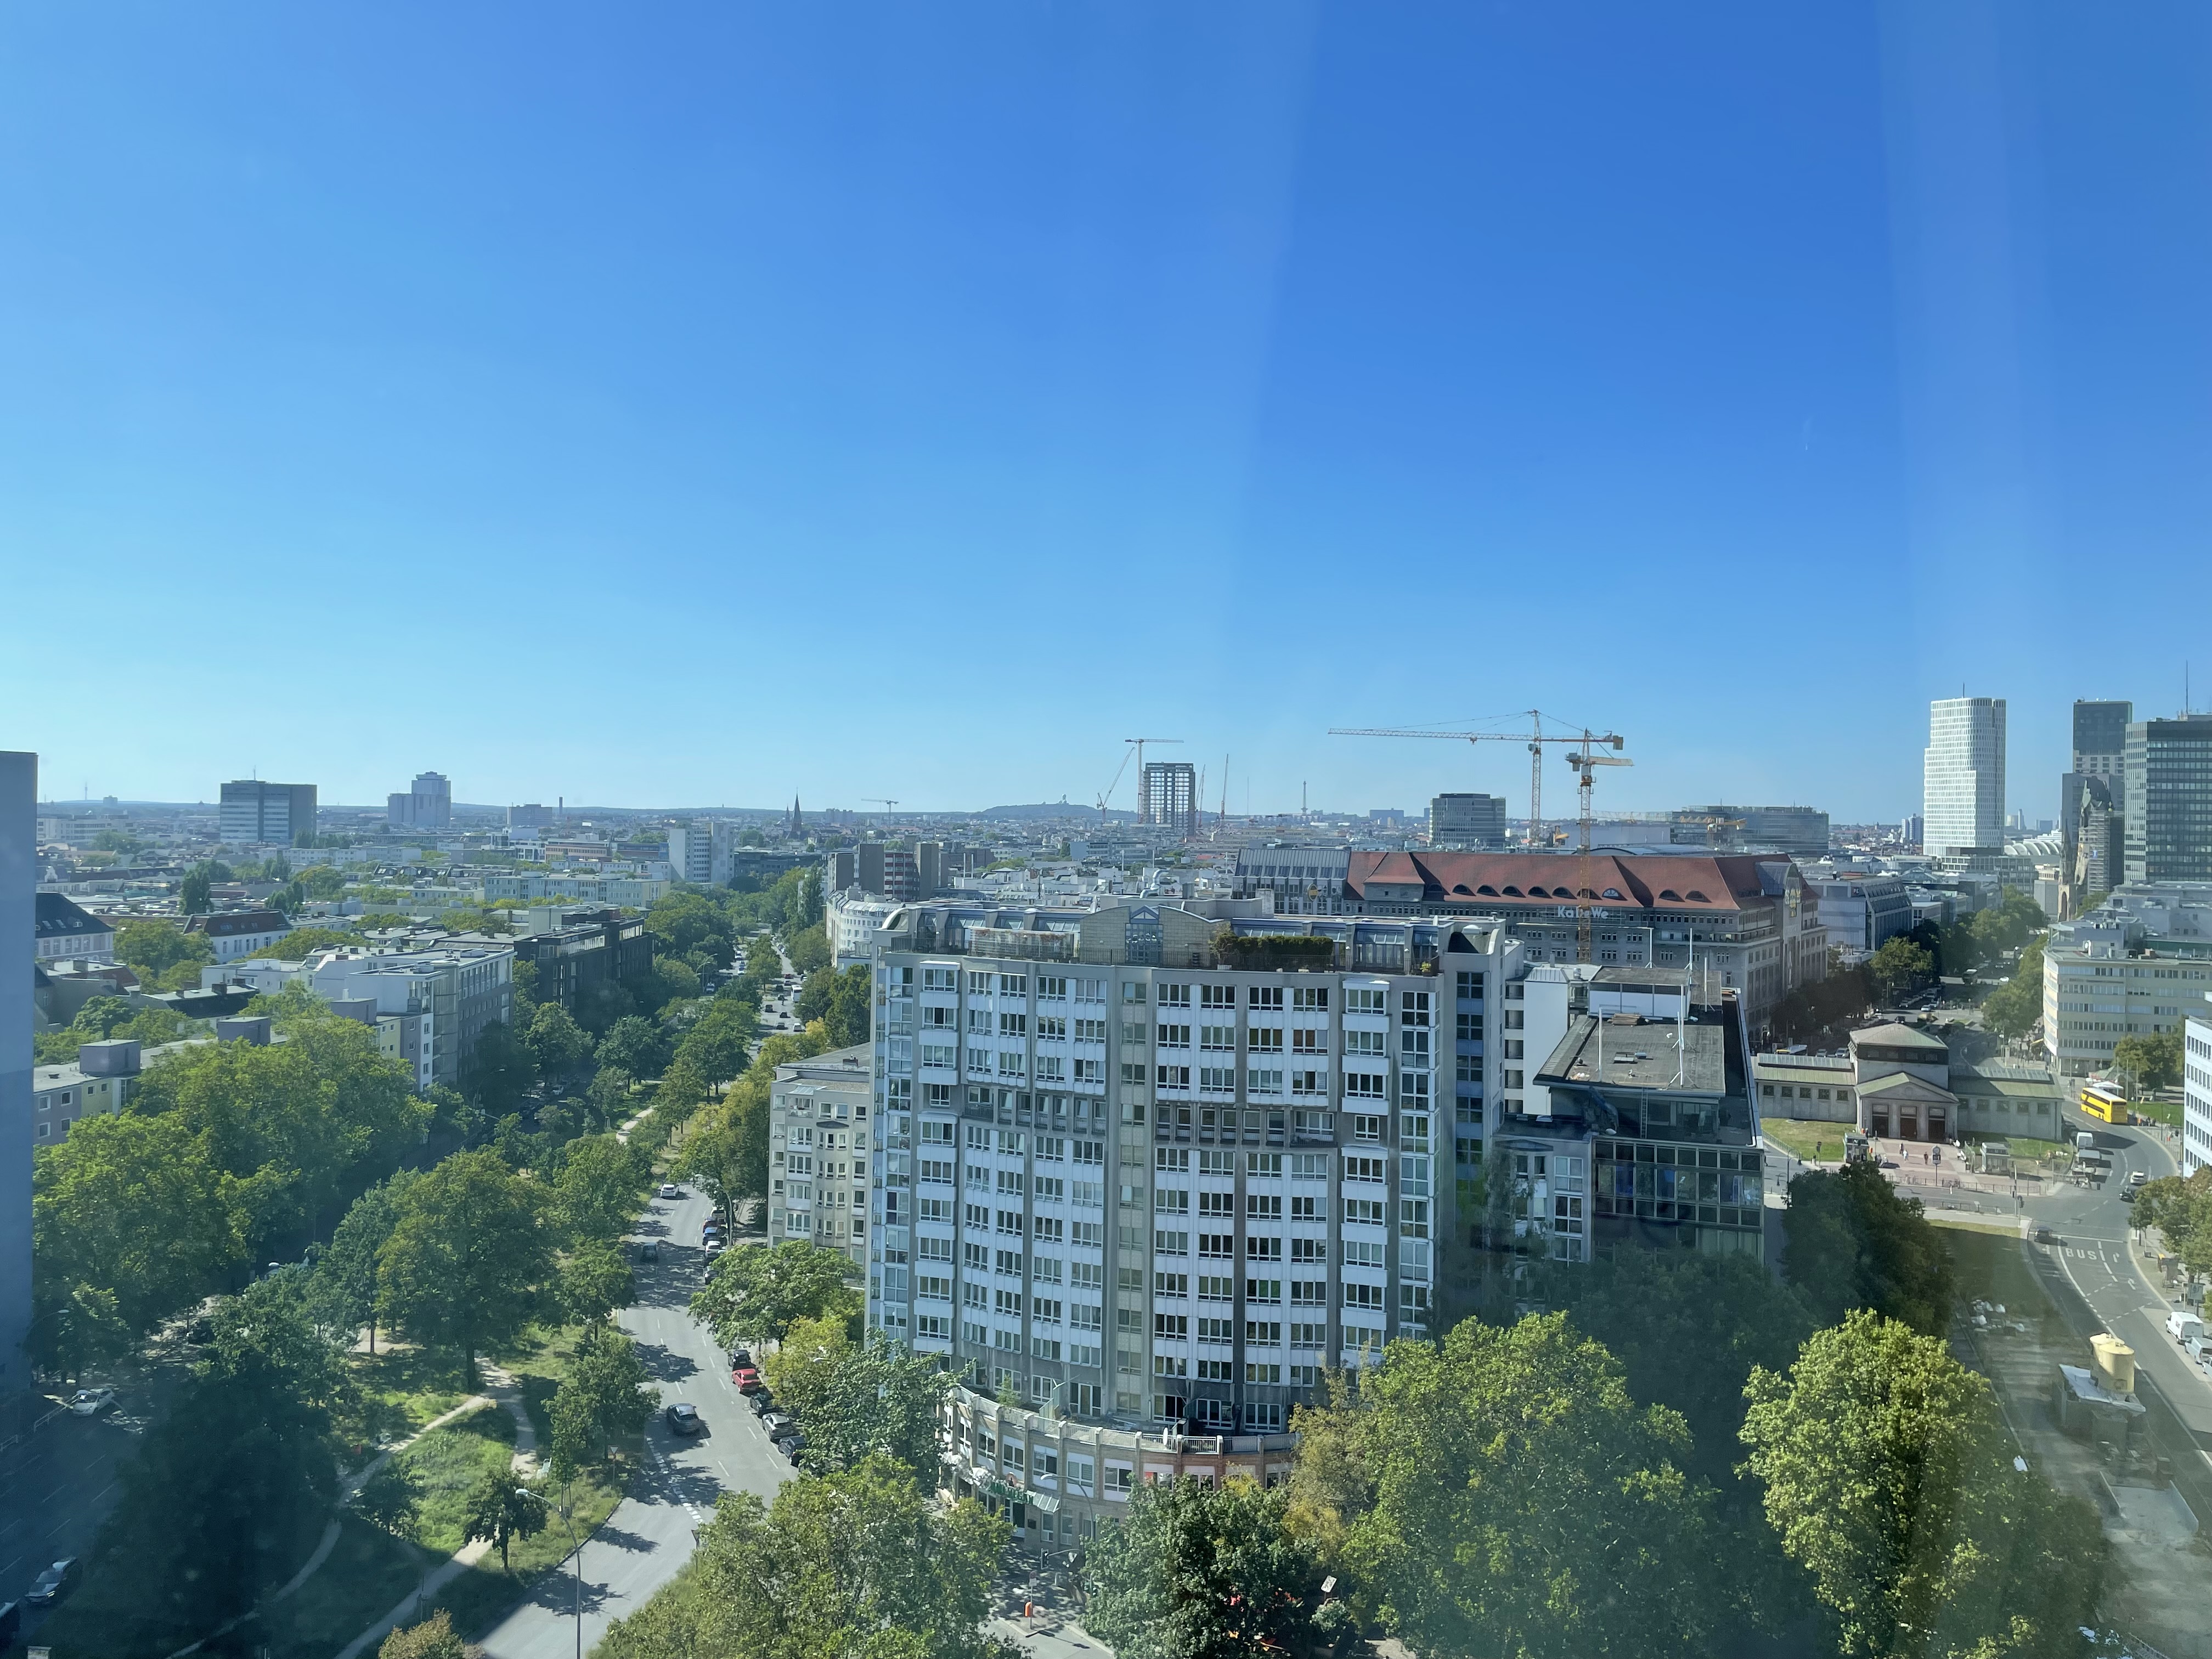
{"x": 2168, "y": 804}
{"x": 258, "y": 814}
{"x": 574, "y": 951}
{"x": 2100, "y": 742}
{"x": 1470, "y": 824}
{"x": 1652, "y": 1139}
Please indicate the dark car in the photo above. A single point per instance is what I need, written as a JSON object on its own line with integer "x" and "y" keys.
{"x": 649, "y": 1251}
{"x": 684, "y": 1419}
{"x": 54, "y": 1582}
{"x": 792, "y": 1445}
{"x": 740, "y": 1357}
{"x": 2044, "y": 1235}
{"x": 764, "y": 1401}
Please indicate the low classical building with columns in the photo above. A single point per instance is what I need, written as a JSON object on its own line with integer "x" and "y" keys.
{"x": 1909, "y": 1087}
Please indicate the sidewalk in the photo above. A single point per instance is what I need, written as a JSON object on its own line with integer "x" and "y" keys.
{"x": 418, "y": 1602}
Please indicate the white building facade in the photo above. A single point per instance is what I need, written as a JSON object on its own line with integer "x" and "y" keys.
{"x": 2196, "y": 1092}
{"x": 1169, "y": 1194}
{"x": 818, "y": 1152}
{"x": 2095, "y": 993}
{"x": 1963, "y": 778}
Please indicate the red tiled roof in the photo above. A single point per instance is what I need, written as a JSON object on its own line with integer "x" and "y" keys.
{"x": 1691, "y": 882}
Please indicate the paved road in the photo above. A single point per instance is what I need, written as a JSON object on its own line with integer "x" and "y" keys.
{"x": 2094, "y": 1258}
{"x": 649, "y": 1537}
{"x": 55, "y": 1491}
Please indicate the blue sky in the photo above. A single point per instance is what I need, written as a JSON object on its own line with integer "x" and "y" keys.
{"x": 695, "y": 405}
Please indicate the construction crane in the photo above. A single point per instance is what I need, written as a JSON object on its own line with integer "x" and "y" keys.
{"x": 1585, "y": 761}
{"x": 1536, "y": 739}
{"x": 886, "y": 804}
{"x": 1138, "y": 750}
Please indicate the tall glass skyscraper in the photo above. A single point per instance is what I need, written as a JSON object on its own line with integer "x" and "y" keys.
{"x": 2169, "y": 800}
{"x": 1963, "y": 777}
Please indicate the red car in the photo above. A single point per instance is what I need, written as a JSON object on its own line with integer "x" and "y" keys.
{"x": 747, "y": 1378}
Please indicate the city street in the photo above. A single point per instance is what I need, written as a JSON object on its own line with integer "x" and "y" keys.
{"x": 649, "y": 1536}
{"x": 2094, "y": 1223}
{"x": 55, "y": 1490}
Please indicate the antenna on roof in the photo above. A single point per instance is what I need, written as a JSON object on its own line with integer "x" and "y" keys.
{"x": 1682, "y": 1016}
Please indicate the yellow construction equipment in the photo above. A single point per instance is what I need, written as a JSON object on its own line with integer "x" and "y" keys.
{"x": 1536, "y": 739}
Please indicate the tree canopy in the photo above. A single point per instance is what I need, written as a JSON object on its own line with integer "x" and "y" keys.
{"x": 1850, "y": 1241}
{"x": 1198, "y": 1571}
{"x": 861, "y": 1562}
{"x": 165, "y": 957}
{"x": 301, "y": 1126}
{"x": 856, "y": 1397}
{"x": 603, "y": 1400}
{"x": 759, "y": 1292}
{"x": 461, "y": 1269}
{"x": 1888, "y": 1472}
{"x": 229, "y": 1490}
{"x": 1519, "y": 1501}
{"x": 2152, "y": 1059}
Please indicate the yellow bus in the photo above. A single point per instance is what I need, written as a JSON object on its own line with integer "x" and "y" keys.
{"x": 2105, "y": 1102}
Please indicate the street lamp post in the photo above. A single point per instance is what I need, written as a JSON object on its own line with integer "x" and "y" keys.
{"x": 568, "y": 1520}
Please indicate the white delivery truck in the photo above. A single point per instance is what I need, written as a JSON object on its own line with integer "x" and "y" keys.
{"x": 2183, "y": 1326}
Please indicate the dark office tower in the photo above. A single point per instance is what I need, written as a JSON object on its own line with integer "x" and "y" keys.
{"x": 257, "y": 813}
{"x": 2168, "y": 807}
{"x": 2100, "y": 742}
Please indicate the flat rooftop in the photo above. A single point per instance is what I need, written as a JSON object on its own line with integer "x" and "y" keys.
{"x": 1631, "y": 1054}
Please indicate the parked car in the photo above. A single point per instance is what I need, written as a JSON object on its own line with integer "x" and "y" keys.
{"x": 2182, "y": 1325}
{"x": 715, "y": 1247}
{"x": 747, "y": 1378}
{"x": 90, "y": 1402}
{"x": 684, "y": 1419}
{"x": 669, "y": 1189}
{"x": 779, "y": 1424}
{"x": 54, "y": 1582}
{"x": 740, "y": 1357}
{"x": 764, "y": 1401}
{"x": 792, "y": 1445}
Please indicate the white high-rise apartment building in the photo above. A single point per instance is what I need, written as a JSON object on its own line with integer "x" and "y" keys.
{"x": 2197, "y": 1091}
{"x": 1963, "y": 777}
{"x": 1149, "y": 1171}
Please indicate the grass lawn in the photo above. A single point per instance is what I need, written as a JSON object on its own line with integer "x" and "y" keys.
{"x": 447, "y": 1463}
{"x": 484, "y": 1594}
{"x": 364, "y": 1579}
{"x": 2167, "y": 1112}
{"x": 400, "y": 1391}
{"x": 1816, "y": 1143}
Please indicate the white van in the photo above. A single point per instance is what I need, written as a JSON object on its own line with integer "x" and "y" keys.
{"x": 2183, "y": 1326}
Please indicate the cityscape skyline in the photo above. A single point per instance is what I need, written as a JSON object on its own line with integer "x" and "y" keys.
{"x": 1426, "y": 772}
{"x": 1201, "y": 381}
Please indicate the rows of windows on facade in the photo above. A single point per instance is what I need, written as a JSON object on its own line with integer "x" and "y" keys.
{"x": 1179, "y": 1195}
